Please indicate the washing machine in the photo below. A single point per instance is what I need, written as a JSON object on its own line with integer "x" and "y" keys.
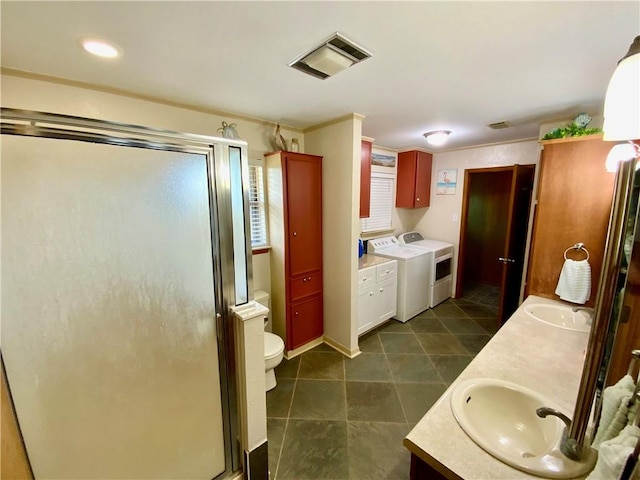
{"x": 413, "y": 274}
{"x": 440, "y": 281}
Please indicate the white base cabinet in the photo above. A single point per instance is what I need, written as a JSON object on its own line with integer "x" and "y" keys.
{"x": 377, "y": 295}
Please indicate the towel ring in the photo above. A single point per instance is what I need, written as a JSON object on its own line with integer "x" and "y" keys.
{"x": 577, "y": 246}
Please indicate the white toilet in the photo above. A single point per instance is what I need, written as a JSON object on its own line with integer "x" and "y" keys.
{"x": 273, "y": 344}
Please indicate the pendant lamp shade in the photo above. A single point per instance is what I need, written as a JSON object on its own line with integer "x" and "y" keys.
{"x": 622, "y": 102}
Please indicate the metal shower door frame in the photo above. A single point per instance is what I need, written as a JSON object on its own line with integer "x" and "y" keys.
{"x": 217, "y": 152}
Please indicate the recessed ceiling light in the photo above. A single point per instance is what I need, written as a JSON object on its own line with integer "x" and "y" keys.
{"x": 437, "y": 138}
{"x": 99, "y": 48}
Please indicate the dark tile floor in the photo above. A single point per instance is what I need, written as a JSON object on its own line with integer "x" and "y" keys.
{"x": 482, "y": 293}
{"x": 331, "y": 417}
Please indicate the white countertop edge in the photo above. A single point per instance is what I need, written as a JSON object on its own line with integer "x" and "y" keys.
{"x": 541, "y": 357}
{"x": 370, "y": 260}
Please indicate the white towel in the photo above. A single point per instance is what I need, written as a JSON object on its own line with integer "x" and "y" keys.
{"x": 615, "y": 414}
{"x": 613, "y": 454}
{"x": 574, "y": 284}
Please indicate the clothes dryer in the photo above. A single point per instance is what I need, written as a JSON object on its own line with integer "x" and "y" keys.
{"x": 440, "y": 280}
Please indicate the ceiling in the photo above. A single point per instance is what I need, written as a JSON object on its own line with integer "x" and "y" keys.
{"x": 436, "y": 65}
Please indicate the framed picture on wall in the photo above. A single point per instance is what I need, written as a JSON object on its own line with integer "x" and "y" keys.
{"x": 383, "y": 159}
{"x": 446, "y": 184}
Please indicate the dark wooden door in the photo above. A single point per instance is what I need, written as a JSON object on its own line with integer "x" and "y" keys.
{"x": 485, "y": 223}
{"x": 304, "y": 213}
{"x": 512, "y": 259}
{"x": 494, "y": 223}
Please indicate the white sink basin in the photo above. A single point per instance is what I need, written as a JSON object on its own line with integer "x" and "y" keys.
{"x": 501, "y": 418}
{"x": 560, "y": 316}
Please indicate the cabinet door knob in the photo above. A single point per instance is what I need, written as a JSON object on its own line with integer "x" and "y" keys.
{"x": 418, "y": 199}
{"x": 304, "y": 279}
{"x": 382, "y": 289}
{"x": 387, "y": 271}
{"x": 371, "y": 294}
{"x": 297, "y": 313}
{"x": 295, "y": 234}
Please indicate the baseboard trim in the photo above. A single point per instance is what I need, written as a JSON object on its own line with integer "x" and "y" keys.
{"x": 304, "y": 348}
{"x": 347, "y": 352}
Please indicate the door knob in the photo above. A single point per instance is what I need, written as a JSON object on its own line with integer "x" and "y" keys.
{"x": 506, "y": 260}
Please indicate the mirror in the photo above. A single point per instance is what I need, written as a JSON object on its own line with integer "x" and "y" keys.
{"x": 611, "y": 288}
{"x": 611, "y": 305}
{"x": 624, "y": 330}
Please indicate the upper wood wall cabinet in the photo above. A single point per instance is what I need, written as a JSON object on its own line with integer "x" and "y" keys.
{"x": 365, "y": 179}
{"x": 413, "y": 184}
{"x": 574, "y": 202}
{"x": 295, "y": 225}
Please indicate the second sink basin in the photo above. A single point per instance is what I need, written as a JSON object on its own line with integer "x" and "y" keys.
{"x": 560, "y": 316}
{"x": 501, "y": 418}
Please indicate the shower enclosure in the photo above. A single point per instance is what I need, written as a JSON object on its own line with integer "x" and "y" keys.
{"x": 123, "y": 249}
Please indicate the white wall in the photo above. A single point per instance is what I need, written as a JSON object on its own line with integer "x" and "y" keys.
{"x": 441, "y": 221}
{"x": 32, "y": 94}
{"x": 339, "y": 144}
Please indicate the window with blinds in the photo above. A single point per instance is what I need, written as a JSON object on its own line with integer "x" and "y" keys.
{"x": 256, "y": 207}
{"x": 382, "y": 185}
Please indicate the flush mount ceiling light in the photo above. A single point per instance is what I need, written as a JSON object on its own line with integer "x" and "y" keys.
{"x": 437, "y": 138}
{"x": 622, "y": 102}
{"x": 100, "y": 48}
{"x": 333, "y": 55}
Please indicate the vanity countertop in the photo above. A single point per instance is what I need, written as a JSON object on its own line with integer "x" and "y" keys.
{"x": 525, "y": 351}
{"x": 369, "y": 260}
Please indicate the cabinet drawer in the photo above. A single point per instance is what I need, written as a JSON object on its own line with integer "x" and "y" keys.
{"x": 366, "y": 276}
{"x": 306, "y": 322}
{"x": 306, "y": 285}
{"x": 386, "y": 271}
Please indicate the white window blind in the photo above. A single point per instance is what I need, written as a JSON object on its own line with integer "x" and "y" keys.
{"x": 381, "y": 206}
{"x": 256, "y": 207}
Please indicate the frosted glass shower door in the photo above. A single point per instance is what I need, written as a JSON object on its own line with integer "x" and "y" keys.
{"x": 108, "y": 310}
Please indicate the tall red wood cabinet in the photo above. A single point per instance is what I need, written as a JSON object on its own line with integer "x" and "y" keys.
{"x": 294, "y": 190}
{"x": 413, "y": 181}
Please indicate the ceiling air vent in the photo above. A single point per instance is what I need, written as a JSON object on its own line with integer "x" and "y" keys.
{"x": 333, "y": 55}
{"x": 499, "y": 125}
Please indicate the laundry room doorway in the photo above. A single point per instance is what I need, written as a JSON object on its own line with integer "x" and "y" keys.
{"x": 493, "y": 232}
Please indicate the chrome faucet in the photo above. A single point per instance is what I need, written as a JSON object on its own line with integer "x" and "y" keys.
{"x": 590, "y": 311}
{"x": 586, "y": 309}
{"x": 568, "y": 446}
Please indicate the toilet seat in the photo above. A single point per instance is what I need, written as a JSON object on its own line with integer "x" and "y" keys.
{"x": 273, "y": 345}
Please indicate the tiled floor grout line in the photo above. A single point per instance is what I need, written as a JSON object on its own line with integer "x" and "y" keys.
{"x": 428, "y": 355}
{"x": 393, "y": 378}
{"x": 286, "y": 424}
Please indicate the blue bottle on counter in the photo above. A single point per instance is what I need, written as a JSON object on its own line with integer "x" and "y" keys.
{"x": 360, "y": 248}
